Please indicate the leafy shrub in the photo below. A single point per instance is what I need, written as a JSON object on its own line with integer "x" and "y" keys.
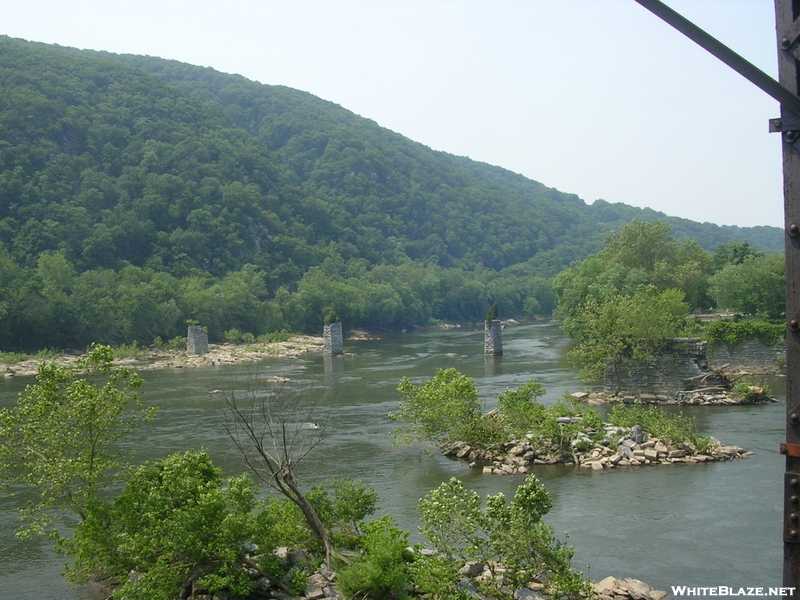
{"x": 507, "y": 537}
{"x": 678, "y": 428}
{"x": 274, "y": 337}
{"x": 232, "y": 336}
{"x": 60, "y": 440}
{"x": 437, "y": 577}
{"x": 383, "y": 570}
{"x": 132, "y": 350}
{"x": 8, "y": 357}
{"x": 519, "y": 408}
{"x": 591, "y": 419}
{"x": 176, "y": 343}
{"x": 750, "y": 390}
{"x": 443, "y": 410}
{"x": 289, "y": 524}
{"x": 174, "y": 524}
{"x": 493, "y": 313}
{"x": 341, "y": 504}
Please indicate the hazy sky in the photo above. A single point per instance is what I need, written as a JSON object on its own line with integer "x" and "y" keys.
{"x": 594, "y": 97}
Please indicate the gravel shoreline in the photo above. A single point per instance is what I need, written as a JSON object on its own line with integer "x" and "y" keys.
{"x": 151, "y": 360}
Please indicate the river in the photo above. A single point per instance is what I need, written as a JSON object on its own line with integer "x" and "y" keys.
{"x": 698, "y": 525}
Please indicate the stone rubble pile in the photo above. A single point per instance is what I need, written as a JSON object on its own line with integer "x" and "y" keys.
{"x": 687, "y": 398}
{"x": 617, "y": 447}
{"x": 611, "y": 588}
{"x": 321, "y": 583}
{"x": 716, "y": 398}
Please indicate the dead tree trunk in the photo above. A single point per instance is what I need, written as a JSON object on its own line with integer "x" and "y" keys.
{"x": 269, "y": 430}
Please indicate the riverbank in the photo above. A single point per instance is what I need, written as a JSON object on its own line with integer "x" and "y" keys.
{"x": 150, "y": 360}
{"x": 716, "y": 397}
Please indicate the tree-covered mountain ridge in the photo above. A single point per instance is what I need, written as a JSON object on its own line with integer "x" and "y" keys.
{"x": 287, "y": 119}
{"x": 135, "y": 185}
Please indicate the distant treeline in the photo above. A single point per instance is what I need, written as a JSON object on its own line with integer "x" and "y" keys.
{"x": 137, "y": 193}
{"x": 51, "y": 305}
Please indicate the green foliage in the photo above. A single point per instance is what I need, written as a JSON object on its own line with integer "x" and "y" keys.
{"x": 507, "y": 535}
{"x": 9, "y": 357}
{"x": 274, "y": 337}
{"x": 234, "y": 336}
{"x": 132, "y": 350}
{"x": 591, "y": 419}
{"x": 176, "y": 343}
{"x": 639, "y": 254}
{"x": 288, "y": 523}
{"x": 638, "y": 324}
{"x": 750, "y": 390}
{"x": 493, "y": 313}
{"x": 677, "y": 428}
{"x": 60, "y": 439}
{"x": 341, "y": 505}
{"x": 175, "y": 524}
{"x": 444, "y": 409}
{"x": 734, "y": 253}
{"x": 756, "y": 286}
{"x": 631, "y": 296}
{"x": 331, "y": 317}
{"x": 734, "y": 332}
{"x": 382, "y": 570}
{"x": 163, "y": 193}
{"x": 519, "y": 408}
{"x": 436, "y": 577}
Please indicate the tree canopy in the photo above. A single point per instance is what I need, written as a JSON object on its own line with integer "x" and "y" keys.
{"x": 638, "y": 291}
{"x": 756, "y": 285}
{"x": 138, "y": 193}
{"x": 61, "y": 438}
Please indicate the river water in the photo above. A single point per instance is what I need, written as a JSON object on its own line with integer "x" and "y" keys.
{"x": 697, "y": 525}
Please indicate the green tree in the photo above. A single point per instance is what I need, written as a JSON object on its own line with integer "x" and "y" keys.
{"x": 493, "y": 313}
{"x": 519, "y": 408}
{"x": 382, "y": 570}
{"x": 639, "y": 254}
{"x": 641, "y": 245}
{"x": 734, "y": 253}
{"x": 509, "y": 538}
{"x": 444, "y": 409}
{"x": 179, "y": 527}
{"x": 61, "y": 438}
{"x": 756, "y": 286}
{"x": 342, "y": 504}
{"x": 639, "y": 324}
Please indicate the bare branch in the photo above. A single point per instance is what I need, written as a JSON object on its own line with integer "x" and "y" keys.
{"x": 273, "y": 431}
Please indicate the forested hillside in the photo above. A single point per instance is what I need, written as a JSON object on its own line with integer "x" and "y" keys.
{"x": 137, "y": 193}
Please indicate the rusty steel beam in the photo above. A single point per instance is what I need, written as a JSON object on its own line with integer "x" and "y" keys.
{"x": 788, "y": 27}
{"x": 786, "y": 96}
{"x": 786, "y": 91}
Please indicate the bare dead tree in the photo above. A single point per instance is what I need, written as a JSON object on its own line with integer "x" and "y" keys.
{"x": 273, "y": 429}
